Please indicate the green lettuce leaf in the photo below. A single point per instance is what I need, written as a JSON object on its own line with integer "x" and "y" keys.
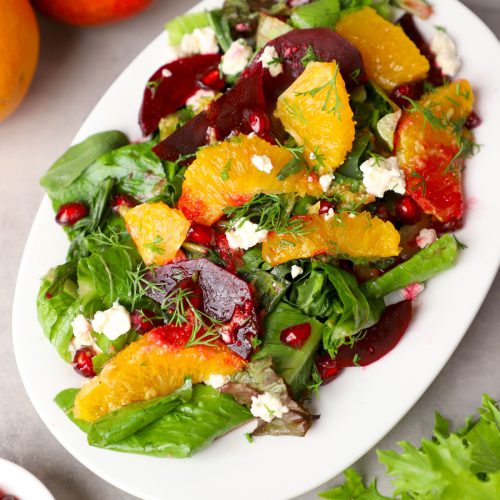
{"x": 66, "y": 401}
{"x": 294, "y": 365}
{"x": 122, "y": 423}
{"x": 189, "y": 428}
{"x": 426, "y": 264}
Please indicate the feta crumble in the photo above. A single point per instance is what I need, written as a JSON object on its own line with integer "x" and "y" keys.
{"x": 200, "y": 99}
{"x": 426, "y": 237}
{"x": 381, "y": 175}
{"x": 236, "y": 58}
{"x": 266, "y": 406}
{"x": 408, "y": 293}
{"x": 312, "y": 156}
{"x": 329, "y": 215}
{"x": 262, "y": 163}
{"x": 200, "y": 41}
{"x": 270, "y": 60}
{"x": 296, "y": 271}
{"x": 245, "y": 235}
{"x": 112, "y": 322}
{"x": 445, "y": 50}
{"x": 325, "y": 181}
{"x": 217, "y": 381}
{"x": 82, "y": 330}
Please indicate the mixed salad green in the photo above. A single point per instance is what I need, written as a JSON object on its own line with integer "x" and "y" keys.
{"x": 194, "y": 308}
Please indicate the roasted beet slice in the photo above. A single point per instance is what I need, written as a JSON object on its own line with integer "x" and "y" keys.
{"x": 380, "y": 339}
{"x": 229, "y": 113}
{"x": 225, "y": 298}
{"x": 294, "y": 46}
{"x": 173, "y": 84}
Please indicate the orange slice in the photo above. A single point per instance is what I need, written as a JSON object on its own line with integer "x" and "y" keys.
{"x": 358, "y": 236}
{"x": 153, "y": 366}
{"x": 429, "y": 141}
{"x": 226, "y": 174}
{"x": 315, "y": 111}
{"x": 157, "y": 230}
{"x": 390, "y": 57}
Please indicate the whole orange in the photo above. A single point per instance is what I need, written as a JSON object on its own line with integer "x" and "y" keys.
{"x": 19, "y": 44}
{"x": 90, "y": 12}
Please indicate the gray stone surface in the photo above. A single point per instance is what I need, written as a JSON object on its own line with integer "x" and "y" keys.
{"x": 76, "y": 67}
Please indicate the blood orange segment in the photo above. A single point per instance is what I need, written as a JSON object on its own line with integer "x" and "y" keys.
{"x": 315, "y": 111}
{"x": 347, "y": 235}
{"x": 153, "y": 366}
{"x": 390, "y": 57}
{"x": 226, "y": 174}
{"x": 158, "y": 231}
{"x": 431, "y": 146}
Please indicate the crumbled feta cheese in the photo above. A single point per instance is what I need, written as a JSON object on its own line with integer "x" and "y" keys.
{"x": 426, "y": 237}
{"x": 166, "y": 73}
{"x": 314, "y": 209}
{"x": 200, "y": 41}
{"x": 262, "y": 163}
{"x": 445, "y": 51}
{"x": 381, "y": 175}
{"x": 266, "y": 406}
{"x": 236, "y": 58}
{"x": 326, "y": 181}
{"x": 270, "y": 60}
{"x": 296, "y": 271}
{"x": 112, "y": 322}
{"x": 329, "y": 215}
{"x": 82, "y": 330}
{"x": 245, "y": 235}
{"x": 408, "y": 293}
{"x": 217, "y": 381}
{"x": 200, "y": 99}
{"x": 312, "y": 156}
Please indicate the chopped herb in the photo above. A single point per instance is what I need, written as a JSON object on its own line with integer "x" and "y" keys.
{"x": 256, "y": 342}
{"x": 440, "y": 28}
{"x": 225, "y": 171}
{"x": 461, "y": 246}
{"x": 355, "y": 75}
{"x": 155, "y": 246}
{"x": 355, "y": 360}
{"x": 309, "y": 56}
{"x": 294, "y": 166}
{"x": 249, "y": 437}
{"x": 422, "y": 184}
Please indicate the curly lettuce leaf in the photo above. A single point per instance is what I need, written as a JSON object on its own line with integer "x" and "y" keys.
{"x": 353, "y": 489}
{"x": 294, "y": 365}
{"x": 258, "y": 377}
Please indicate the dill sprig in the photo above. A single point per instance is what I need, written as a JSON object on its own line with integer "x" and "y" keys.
{"x": 156, "y": 246}
{"x": 110, "y": 238}
{"x": 270, "y": 212}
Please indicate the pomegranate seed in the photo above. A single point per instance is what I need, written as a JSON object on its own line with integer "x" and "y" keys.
{"x": 327, "y": 367}
{"x": 143, "y": 320}
{"x": 296, "y": 336}
{"x": 407, "y": 210}
{"x": 200, "y": 234}
{"x": 473, "y": 121}
{"x": 213, "y": 79}
{"x": 259, "y": 122}
{"x": 70, "y": 213}
{"x": 121, "y": 200}
{"x": 383, "y": 212}
{"x": 243, "y": 27}
{"x": 82, "y": 362}
{"x": 410, "y": 90}
{"x": 325, "y": 206}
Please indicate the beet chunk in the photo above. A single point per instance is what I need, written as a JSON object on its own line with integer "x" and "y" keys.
{"x": 322, "y": 44}
{"x": 224, "y": 297}
{"x": 172, "y": 85}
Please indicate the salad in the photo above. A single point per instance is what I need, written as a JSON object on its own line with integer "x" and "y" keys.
{"x": 298, "y": 181}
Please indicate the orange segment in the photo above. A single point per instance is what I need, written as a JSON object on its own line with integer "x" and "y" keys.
{"x": 315, "y": 111}
{"x": 428, "y": 142}
{"x": 349, "y": 235}
{"x": 225, "y": 175}
{"x": 153, "y": 366}
{"x": 390, "y": 57}
{"x": 158, "y": 231}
